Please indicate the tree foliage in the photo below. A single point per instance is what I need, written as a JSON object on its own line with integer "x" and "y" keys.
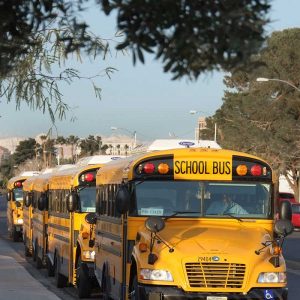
{"x": 263, "y": 118}
{"x": 191, "y": 36}
{"x": 25, "y": 150}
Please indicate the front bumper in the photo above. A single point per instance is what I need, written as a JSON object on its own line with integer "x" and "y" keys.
{"x": 152, "y": 292}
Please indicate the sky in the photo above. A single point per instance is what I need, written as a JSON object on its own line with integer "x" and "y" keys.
{"x": 141, "y": 98}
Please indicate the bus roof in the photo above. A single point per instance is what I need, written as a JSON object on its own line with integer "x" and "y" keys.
{"x": 23, "y": 176}
{"x": 164, "y": 144}
{"x": 115, "y": 172}
{"x": 97, "y": 159}
{"x": 70, "y": 177}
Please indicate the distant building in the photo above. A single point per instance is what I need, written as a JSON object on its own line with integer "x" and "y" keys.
{"x": 200, "y": 126}
{"x": 4, "y": 153}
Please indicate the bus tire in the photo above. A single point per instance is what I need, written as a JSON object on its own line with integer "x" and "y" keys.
{"x": 26, "y": 249}
{"x": 133, "y": 291}
{"x": 104, "y": 288}
{"x": 82, "y": 281}
{"x": 59, "y": 278}
{"x": 15, "y": 235}
{"x": 39, "y": 263}
{"x": 50, "y": 268}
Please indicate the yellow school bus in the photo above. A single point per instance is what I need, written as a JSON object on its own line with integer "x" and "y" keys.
{"x": 36, "y": 218}
{"x": 190, "y": 223}
{"x": 72, "y": 195}
{"x": 15, "y": 204}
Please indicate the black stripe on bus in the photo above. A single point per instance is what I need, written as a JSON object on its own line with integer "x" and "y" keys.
{"x": 59, "y": 227}
{"x": 108, "y": 235}
{"x": 110, "y": 219}
{"x": 60, "y": 215}
{"x": 61, "y": 238}
{"x": 111, "y": 250}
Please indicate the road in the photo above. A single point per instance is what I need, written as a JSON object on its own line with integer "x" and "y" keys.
{"x": 291, "y": 252}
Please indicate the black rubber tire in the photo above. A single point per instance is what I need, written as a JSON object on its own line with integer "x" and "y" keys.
{"x": 133, "y": 289}
{"x": 50, "y": 267}
{"x": 83, "y": 282}
{"x": 26, "y": 249}
{"x": 39, "y": 263}
{"x": 60, "y": 280}
{"x": 104, "y": 290}
{"x": 15, "y": 235}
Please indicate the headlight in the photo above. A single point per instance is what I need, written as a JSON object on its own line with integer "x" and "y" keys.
{"x": 20, "y": 221}
{"x": 162, "y": 275}
{"x": 88, "y": 254}
{"x": 272, "y": 277}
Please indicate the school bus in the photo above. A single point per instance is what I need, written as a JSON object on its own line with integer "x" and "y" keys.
{"x": 72, "y": 196}
{"x": 15, "y": 204}
{"x": 190, "y": 223}
{"x": 35, "y": 217}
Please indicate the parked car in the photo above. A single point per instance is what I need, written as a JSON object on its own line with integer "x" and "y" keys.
{"x": 296, "y": 215}
{"x": 286, "y": 196}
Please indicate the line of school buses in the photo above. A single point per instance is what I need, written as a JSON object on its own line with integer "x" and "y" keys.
{"x": 154, "y": 226}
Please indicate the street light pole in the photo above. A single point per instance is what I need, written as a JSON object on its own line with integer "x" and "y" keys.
{"x": 263, "y": 79}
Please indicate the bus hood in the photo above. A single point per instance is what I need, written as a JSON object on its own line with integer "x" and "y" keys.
{"x": 228, "y": 239}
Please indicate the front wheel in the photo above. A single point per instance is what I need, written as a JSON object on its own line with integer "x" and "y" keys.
{"x": 82, "y": 281}
{"x": 15, "y": 235}
{"x": 133, "y": 291}
{"x": 50, "y": 267}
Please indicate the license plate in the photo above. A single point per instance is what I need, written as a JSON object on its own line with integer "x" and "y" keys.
{"x": 215, "y": 298}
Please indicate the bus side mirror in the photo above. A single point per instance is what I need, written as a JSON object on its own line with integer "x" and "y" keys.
{"x": 8, "y": 196}
{"x": 155, "y": 224}
{"x": 91, "y": 218}
{"x": 42, "y": 202}
{"x": 285, "y": 210}
{"x": 72, "y": 201}
{"x": 284, "y": 226}
{"x": 28, "y": 199}
{"x": 122, "y": 199}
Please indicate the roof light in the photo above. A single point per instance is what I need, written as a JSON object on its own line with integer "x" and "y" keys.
{"x": 149, "y": 168}
{"x": 163, "y": 168}
{"x": 256, "y": 170}
{"x": 18, "y": 184}
{"x": 241, "y": 170}
{"x": 89, "y": 177}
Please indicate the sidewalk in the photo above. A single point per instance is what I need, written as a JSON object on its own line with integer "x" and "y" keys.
{"x": 15, "y": 282}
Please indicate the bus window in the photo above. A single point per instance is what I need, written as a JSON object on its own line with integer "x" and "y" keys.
{"x": 87, "y": 198}
{"x": 18, "y": 194}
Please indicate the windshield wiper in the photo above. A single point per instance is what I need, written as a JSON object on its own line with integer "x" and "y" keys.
{"x": 175, "y": 213}
{"x": 232, "y": 216}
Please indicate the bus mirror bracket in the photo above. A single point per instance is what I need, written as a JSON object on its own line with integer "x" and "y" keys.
{"x": 122, "y": 199}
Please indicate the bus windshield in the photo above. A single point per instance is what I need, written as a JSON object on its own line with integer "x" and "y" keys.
{"x": 202, "y": 199}
{"x": 18, "y": 194}
{"x": 87, "y": 198}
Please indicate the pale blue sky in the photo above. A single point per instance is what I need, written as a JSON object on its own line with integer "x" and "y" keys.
{"x": 140, "y": 98}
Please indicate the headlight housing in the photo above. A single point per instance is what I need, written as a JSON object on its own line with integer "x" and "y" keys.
{"x": 161, "y": 275}
{"x": 272, "y": 277}
{"x": 88, "y": 254}
{"x": 20, "y": 221}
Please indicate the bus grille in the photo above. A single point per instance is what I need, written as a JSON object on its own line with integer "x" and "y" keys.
{"x": 215, "y": 275}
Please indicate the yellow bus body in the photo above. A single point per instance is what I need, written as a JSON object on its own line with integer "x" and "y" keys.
{"x": 205, "y": 257}
{"x": 70, "y": 237}
{"x": 14, "y": 212}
